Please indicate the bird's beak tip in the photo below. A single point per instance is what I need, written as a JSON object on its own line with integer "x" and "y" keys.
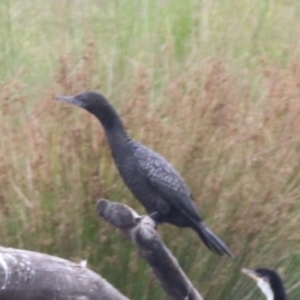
{"x": 63, "y": 98}
{"x": 250, "y": 273}
{"x": 70, "y": 99}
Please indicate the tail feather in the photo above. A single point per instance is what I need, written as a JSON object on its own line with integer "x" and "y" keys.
{"x": 212, "y": 242}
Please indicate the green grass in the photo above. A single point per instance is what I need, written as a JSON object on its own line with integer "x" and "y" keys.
{"x": 211, "y": 85}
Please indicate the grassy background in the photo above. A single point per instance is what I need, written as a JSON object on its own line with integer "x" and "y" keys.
{"x": 214, "y": 86}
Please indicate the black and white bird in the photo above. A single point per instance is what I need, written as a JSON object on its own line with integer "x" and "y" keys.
{"x": 269, "y": 282}
{"x": 151, "y": 179}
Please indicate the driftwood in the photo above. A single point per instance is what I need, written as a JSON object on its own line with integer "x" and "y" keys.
{"x": 27, "y": 275}
{"x": 141, "y": 231}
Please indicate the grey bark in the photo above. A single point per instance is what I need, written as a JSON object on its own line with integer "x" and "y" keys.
{"x": 141, "y": 231}
{"x": 27, "y": 275}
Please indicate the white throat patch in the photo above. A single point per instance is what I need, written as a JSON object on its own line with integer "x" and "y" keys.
{"x": 266, "y": 288}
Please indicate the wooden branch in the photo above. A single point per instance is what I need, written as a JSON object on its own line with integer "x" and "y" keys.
{"x": 141, "y": 231}
{"x": 27, "y": 275}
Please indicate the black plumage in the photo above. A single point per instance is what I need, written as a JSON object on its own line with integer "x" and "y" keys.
{"x": 151, "y": 179}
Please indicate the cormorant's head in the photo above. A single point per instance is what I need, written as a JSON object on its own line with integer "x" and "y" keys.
{"x": 91, "y": 101}
{"x": 269, "y": 282}
{"x": 97, "y": 105}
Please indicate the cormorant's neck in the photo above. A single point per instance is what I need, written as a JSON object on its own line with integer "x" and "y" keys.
{"x": 113, "y": 127}
{"x": 266, "y": 289}
{"x": 273, "y": 294}
{"x": 279, "y": 291}
{"x": 280, "y": 296}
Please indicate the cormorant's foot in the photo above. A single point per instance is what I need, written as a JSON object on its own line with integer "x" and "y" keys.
{"x": 155, "y": 216}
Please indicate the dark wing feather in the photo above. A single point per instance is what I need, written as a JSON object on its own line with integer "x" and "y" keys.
{"x": 163, "y": 177}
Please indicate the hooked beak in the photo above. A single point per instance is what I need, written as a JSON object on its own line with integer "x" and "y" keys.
{"x": 250, "y": 273}
{"x": 70, "y": 99}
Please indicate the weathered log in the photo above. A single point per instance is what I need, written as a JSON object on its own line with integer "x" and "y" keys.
{"x": 141, "y": 231}
{"x": 27, "y": 275}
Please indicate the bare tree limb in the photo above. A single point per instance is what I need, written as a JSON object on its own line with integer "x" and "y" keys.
{"x": 27, "y": 275}
{"x": 141, "y": 231}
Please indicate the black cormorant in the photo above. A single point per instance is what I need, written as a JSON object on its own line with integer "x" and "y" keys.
{"x": 151, "y": 179}
{"x": 269, "y": 282}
